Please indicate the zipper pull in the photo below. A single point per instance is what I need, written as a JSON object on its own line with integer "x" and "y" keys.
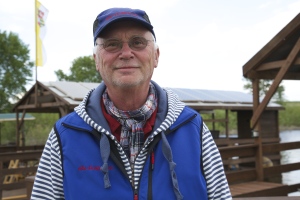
{"x": 152, "y": 160}
{"x": 136, "y": 197}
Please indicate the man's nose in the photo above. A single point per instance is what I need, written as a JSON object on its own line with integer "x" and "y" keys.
{"x": 126, "y": 51}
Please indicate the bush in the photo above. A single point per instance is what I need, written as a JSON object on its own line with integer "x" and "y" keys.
{"x": 290, "y": 117}
{"x": 36, "y": 131}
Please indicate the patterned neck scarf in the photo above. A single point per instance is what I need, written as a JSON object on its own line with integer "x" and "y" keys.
{"x": 132, "y": 134}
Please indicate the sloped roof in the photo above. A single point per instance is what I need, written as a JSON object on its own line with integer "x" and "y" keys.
{"x": 278, "y": 52}
{"x": 53, "y": 96}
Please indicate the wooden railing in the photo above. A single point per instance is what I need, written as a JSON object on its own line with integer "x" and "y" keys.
{"x": 16, "y": 166}
{"x": 238, "y": 152}
{"x": 240, "y": 160}
{"x": 14, "y": 148}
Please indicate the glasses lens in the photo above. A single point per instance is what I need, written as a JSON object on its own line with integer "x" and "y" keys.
{"x": 137, "y": 43}
{"x": 112, "y": 45}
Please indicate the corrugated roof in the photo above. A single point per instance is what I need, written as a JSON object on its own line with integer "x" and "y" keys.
{"x": 74, "y": 92}
{"x": 212, "y": 95}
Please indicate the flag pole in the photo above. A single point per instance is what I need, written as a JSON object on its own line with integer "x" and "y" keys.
{"x": 36, "y": 38}
{"x": 36, "y": 49}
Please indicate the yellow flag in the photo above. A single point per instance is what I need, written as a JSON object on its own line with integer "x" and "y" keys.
{"x": 40, "y": 31}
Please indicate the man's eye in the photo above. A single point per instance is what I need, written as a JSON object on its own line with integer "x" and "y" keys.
{"x": 138, "y": 42}
{"x": 111, "y": 44}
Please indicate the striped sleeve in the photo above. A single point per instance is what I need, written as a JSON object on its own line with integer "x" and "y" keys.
{"x": 217, "y": 185}
{"x": 48, "y": 183}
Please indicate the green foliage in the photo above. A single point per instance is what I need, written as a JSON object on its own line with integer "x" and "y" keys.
{"x": 83, "y": 70}
{"x": 290, "y": 117}
{"x": 221, "y": 126}
{"x": 264, "y": 86}
{"x": 15, "y": 69}
{"x": 8, "y": 132}
{"x": 36, "y": 131}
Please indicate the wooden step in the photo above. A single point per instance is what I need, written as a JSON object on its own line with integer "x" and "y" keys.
{"x": 258, "y": 189}
{"x": 16, "y": 197}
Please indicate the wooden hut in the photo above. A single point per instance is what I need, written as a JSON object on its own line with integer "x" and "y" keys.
{"x": 278, "y": 60}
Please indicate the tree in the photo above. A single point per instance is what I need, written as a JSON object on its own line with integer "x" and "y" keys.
{"x": 15, "y": 69}
{"x": 264, "y": 86}
{"x": 83, "y": 70}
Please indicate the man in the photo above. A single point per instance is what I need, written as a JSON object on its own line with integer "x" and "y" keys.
{"x": 129, "y": 138}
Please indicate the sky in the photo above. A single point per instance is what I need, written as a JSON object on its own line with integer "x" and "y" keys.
{"x": 203, "y": 44}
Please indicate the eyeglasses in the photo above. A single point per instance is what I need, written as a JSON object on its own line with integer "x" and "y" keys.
{"x": 115, "y": 45}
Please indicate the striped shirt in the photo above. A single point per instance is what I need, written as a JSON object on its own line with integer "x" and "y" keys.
{"x": 49, "y": 178}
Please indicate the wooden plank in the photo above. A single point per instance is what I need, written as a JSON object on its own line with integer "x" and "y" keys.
{"x": 20, "y": 155}
{"x": 274, "y": 65}
{"x": 271, "y": 74}
{"x": 233, "y": 141}
{"x": 238, "y": 161}
{"x": 274, "y": 148}
{"x": 240, "y": 150}
{"x": 257, "y": 188}
{"x": 14, "y": 148}
{"x": 275, "y": 170}
{"x": 270, "y": 140}
{"x": 17, "y": 185}
{"x": 294, "y": 188}
{"x": 18, "y": 170}
{"x": 240, "y": 176}
{"x": 16, "y": 197}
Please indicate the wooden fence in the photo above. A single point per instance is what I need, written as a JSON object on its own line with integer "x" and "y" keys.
{"x": 241, "y": 162}
{"x": 240, "y": 158}
{"x": 15, "y": 167}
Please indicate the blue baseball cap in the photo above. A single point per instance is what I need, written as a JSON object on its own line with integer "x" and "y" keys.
{"x": 111, "y": 15}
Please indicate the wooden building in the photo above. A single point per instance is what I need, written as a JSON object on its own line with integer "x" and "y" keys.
{"x": 63, "y": 97}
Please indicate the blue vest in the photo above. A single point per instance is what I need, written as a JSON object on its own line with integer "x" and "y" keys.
{"x": 83, "y": 178}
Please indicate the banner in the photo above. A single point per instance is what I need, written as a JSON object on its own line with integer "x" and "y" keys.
{"x": 40, "y": 28}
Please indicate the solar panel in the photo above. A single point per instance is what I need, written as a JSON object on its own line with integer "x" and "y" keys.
{"x": 74, "y": 92}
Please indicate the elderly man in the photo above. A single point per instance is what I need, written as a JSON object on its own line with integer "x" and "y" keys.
{"x": 129, "y": 138}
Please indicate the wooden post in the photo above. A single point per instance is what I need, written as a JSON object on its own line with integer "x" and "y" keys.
{"x": 257, "y": 133}
{"x": 29, "y": 185}
{"x": 17, "y": 131}
{"x": 1, "y": 178}
{"x": 213, "y": 123}
{"x": 227, "y": 123}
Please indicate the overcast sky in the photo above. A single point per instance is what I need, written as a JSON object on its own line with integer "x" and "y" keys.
{"x": 203, "y": 44}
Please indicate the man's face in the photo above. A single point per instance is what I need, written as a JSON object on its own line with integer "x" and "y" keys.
{"x": 126, "y": 67}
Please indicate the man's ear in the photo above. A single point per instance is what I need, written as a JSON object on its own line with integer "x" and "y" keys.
{"x": 156, "y": 56}
{"x": 96, "y": 62}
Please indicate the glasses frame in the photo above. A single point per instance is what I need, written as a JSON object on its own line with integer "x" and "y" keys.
{"x": 129, "y": 42}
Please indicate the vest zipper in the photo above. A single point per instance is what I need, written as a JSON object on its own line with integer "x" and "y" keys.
{"x": 136, "y": 197}
{"x": 151, "y": 168}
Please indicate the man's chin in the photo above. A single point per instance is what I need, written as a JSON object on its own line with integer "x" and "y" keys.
{"x": 127, "y": 83}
